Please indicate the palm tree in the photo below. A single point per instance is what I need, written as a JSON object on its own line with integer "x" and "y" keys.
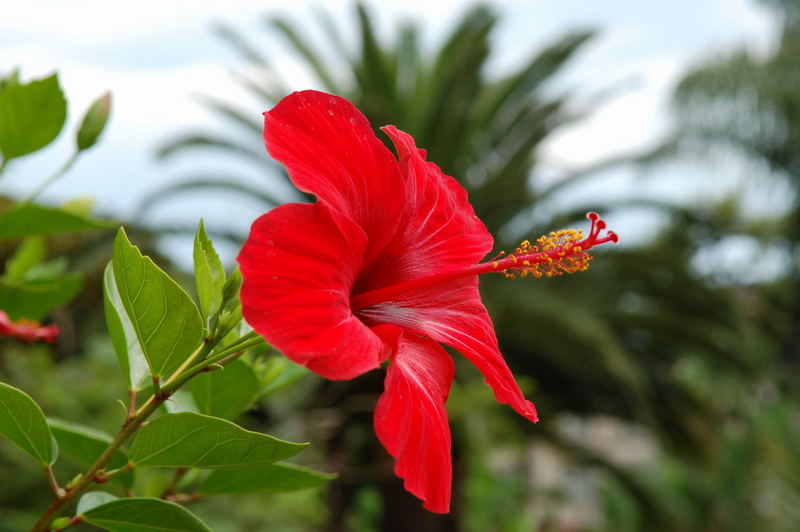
{"x": 743, "y": 108}
{"x": 606, "y": 342}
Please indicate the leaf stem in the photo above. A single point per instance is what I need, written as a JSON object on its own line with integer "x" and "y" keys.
{"x": 89, "y": 477}
{"x": 156, "y": 386}
{"x": 131, "y": 405}
{"x": 178, "y": 379}
{"x": 72, "y": 522}
{"x": 101, "y": 477}
{"x": 199, "y": 352}
{"x": 176, "y": 478}
{"x": 58, "y": 491}
{"x": 247, "y": 341}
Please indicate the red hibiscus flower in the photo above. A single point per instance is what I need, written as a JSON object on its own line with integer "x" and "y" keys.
{"x": 26, "y": 330}
{"x": 384, "y": 267}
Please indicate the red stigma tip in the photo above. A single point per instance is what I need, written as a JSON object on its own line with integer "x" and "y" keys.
{"x": 594, "y": 238}
{"x": 557, "y": 253}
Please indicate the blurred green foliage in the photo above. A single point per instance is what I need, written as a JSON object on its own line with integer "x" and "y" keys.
{"x": 645, "y": 346}
{"x": 668, "y": 394}
{"x": 72, "y": 382}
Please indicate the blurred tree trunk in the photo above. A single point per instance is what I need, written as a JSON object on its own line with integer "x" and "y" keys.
{"x": 367, "y": 463}
{"x": 403, "y": 512}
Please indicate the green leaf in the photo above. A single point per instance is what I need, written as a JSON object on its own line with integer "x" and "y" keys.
{"x": 81, "y": 206}
{"x": 209, "y": 273}
{"x": 59, "y": 523}
{"x": 231, "y": 314}
{"x": 28, "y": 219}
{"x": 93, "y": 123}
{"x": 30, "y": 253}
{"x": 31, "y": 116}
{"x": 230, "y": 291}
{"x": 226, "y": 392}
{"x": 195, "y": 440}
{"x": 277, "y": 373}
{"x": 93, "y": 499}
{"x": 45, "y": 271}
{"x": 164, "y": 318}
{"x": 34, "y": 299}
{"x": 11, "y": 79}
{"x": 181, "y": 401}
{"x": 270, "y": 478}
{"x": 22, "y": 422}
{"x": 84, "y": 443}
{"x": 142, "y": 514}
{"x": 123, "y": 337}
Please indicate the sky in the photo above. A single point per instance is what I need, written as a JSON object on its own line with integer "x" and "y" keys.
{"x": 156, "y": 58}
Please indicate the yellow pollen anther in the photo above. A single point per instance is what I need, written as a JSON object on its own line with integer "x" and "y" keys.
{"x": 555, "y": 253}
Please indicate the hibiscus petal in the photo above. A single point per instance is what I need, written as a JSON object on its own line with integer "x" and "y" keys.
{"x": 330, "y": 150}
{"x": 452, "y": 313}
{"x": 411, "y": 421}
{"x": 298, "y": 265}
{"x": 439, "y": 230}
{"x": 27, "y": 330}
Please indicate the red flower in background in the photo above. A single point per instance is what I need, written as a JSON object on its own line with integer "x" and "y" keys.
{"x": 383, "y": 267}
{"x": 26, "y": 330}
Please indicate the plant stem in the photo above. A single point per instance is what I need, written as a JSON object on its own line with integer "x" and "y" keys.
{"x": 131, "y": 405}
{"x": 72, "y": 522}
{"x": 131, "y": 424}
{"x": 156, "y": 386}
{"x": 88, "y": 478}
{"x": 102, "y": 477}
{"x": 52, "y": 179}
{"x": 58, "y": 491}
{"x": 176, "y": 478}
{"x": 199, "y": 352}
{"x": 247, "y": 341}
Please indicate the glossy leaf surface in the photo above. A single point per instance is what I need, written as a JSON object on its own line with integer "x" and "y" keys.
{"x": 226, "y": 392}
{"x": 92, "y": 499}
{"x": 23, "y": 424}
{"x": 163, "y": 316}
{"x": 209, "y": 273}
{"x": 84, "y": 443}
{"x": 141, "y": 514}
{"x": 123, "y": 336}
{"x": 196, "y": 440}
{"x": 270, "y": 478}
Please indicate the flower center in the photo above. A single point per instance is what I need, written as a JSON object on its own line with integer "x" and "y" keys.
{"x": 558, "y": 253}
